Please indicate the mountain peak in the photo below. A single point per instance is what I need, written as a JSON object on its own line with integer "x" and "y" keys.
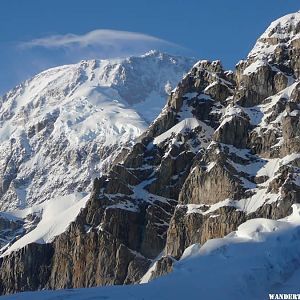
{"x": 284, "y": 27}
{"x": 152, "y": 52}
{"x": 282, "y": 33}
{"x": 89, "y": 109}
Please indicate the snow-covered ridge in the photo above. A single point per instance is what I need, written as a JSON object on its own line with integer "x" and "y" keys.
{"x": 58, "y": 129}
{"x": 185, "y": 125}
{"x": 282, "y": 31}
{"x": 284, "y": 27}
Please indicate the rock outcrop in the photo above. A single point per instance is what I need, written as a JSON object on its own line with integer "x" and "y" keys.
{"x": 9, "y": 229}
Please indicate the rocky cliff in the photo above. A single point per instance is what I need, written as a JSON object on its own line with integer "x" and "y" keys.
{"x": 224, "y": 149}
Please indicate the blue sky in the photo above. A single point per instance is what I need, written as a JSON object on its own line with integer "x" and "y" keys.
{"x": 37, "y": 34}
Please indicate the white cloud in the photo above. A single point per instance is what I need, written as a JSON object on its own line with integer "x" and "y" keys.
{"x": 97, "y": 38}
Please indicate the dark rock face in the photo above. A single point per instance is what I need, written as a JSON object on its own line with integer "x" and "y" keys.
{"x": 26, "y": 269}
{"x": 187, "y": 228}
{"x": 225, "y": 149}
{"x": 9, "y": 230}
{"x": 291, "y": 134}
{"x": 257, "y": 86}
{"x": 116, "y": 263}
{"x": 234, "y": 132}
{"x": 198, "y": 187}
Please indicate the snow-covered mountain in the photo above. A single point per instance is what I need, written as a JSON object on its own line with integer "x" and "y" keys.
{"x": 209, "y": 193}
{"x": 62, "y": 128}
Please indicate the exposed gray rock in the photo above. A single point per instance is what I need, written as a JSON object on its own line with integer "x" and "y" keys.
{"x": 233, "y": 132}
{"x": 26, "y": 269}
{"x": 163, "y": 266}
{"x": 187, "y": 228}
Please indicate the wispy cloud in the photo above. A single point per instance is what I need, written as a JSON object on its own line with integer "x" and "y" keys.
{"x": 97, "y": 38}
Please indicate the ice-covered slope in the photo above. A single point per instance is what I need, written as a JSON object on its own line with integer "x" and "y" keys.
{"x": 59, "y": 129}
{"x": 55, "y": 216}
{"x": 261, "y": 257}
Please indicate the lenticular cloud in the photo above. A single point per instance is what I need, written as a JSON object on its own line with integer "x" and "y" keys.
{"x": 100, "y": 37}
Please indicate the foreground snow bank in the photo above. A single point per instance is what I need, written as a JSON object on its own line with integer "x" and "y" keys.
{"x": 261, "y": 257}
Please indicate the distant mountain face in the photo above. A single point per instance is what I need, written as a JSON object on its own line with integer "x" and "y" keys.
{"x": 224, "y": 150}
{"x": 63, "y": 127}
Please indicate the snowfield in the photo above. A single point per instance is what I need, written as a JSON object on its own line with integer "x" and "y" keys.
{"x": 261, "y": 257}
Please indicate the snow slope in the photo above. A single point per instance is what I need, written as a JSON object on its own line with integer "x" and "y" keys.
{"x": 56, "y": 216}
{"x": 183, "y": 126}
{"x": 63, "y": 127}
{"x": 261, "y": 257}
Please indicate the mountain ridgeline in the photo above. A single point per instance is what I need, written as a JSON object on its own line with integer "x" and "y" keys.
{"x": 224, "y": 149}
